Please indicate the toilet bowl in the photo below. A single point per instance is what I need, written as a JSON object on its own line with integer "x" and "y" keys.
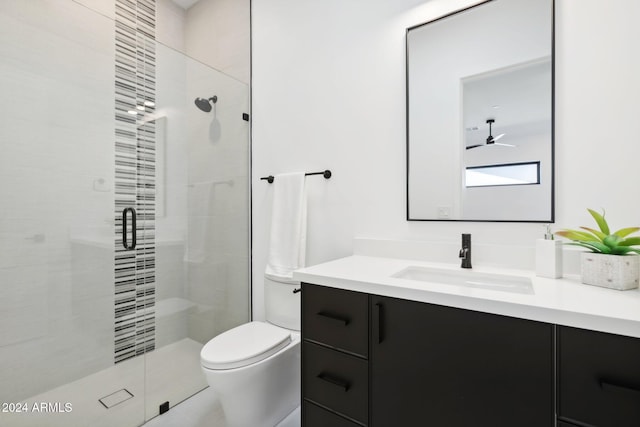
{"x": 255, "y": 367}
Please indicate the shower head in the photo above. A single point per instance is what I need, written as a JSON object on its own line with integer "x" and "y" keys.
{"x": 206, "y": 104}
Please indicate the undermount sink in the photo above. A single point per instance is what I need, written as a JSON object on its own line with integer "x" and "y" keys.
{"x": 468, "y": 278}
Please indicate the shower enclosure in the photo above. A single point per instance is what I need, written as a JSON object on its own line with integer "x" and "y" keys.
{"x": 124, "y": 213}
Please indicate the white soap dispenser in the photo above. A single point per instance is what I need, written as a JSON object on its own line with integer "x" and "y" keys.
{"x": 549, "y": 256}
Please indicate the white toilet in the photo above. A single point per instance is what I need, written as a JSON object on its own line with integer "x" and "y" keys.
{"x": 255, "y": 367}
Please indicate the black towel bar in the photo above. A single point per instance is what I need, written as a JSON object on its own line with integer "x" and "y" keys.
{"x": 326, "y": 174}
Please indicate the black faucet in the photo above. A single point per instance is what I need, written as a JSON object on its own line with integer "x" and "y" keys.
{"x": 465, "y": 252}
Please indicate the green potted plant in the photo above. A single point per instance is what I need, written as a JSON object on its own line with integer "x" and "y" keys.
{"x": 613, "y": 261}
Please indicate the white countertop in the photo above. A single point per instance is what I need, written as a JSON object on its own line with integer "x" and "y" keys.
{"x": 563, "y": 301}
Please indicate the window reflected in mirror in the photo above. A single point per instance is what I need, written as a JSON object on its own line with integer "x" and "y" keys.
{"x": 510, "y": 174}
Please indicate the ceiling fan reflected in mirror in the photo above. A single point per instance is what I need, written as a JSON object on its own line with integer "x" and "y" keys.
{"x": 491, "y": 140}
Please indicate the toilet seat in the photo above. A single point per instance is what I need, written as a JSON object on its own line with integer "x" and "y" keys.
{"x": 244, "y": 345}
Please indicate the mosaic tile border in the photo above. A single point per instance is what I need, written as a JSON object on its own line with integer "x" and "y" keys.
{"x": 135, "y": 73}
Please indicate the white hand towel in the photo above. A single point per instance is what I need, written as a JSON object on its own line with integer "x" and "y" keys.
{"x": 288, "y": 239}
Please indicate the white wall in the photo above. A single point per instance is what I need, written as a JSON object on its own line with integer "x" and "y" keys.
{"x": 328, "y": 92}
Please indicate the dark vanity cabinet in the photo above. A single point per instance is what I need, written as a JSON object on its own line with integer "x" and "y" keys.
{"x": 442, "y": 366}
{"x": 598, "y": 379}
{"x": 377, "y": 361}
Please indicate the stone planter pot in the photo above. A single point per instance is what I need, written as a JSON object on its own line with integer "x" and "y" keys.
{"x": 619, "y": 272}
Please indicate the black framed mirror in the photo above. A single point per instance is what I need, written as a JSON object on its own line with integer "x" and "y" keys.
{"x": 480, "y": 91}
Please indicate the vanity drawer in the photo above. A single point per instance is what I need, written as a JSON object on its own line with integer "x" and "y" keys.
{"x": 599, "y": 378}
{"x": 336, "y": 318}
{"x": 315, "y": 416}
{"x": 336, "y": 380}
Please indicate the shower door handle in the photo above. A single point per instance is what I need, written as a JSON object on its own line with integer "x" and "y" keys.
{"x": 125, "y": 230}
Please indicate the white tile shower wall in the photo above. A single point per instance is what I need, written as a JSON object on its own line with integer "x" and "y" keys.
{"x": 173, "y": 106}
{"x": 207, "y": 153}
{"x": 206, "y": 161}
{"x": 171, "y": 227}
{"x": 170, "y": 24}
{"x": 217, "y": 33}
{"x": 106, "y": 8}
{"x": 329, "y": 92}
{"x": 171, "y": 305}
{"x": 206, "y": 202}
{"x": 214, "y": 32}
{"x": 57, "y": 144}
{"x": 218, "y": 222}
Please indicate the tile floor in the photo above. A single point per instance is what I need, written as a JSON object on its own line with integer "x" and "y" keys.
{"x": 169, "y": 374}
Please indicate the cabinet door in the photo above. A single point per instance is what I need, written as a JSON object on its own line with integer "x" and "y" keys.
{"x": 599, "y": 378}
{"x": 441, "y": 366}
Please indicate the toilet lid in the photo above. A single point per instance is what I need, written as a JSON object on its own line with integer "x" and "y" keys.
{"x": 244, "y": 345}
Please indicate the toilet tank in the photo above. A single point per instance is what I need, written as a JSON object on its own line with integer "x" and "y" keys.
{"x": 282, "y": 305}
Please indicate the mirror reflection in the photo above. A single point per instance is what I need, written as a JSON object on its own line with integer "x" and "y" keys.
{"x": 480, "y": 128}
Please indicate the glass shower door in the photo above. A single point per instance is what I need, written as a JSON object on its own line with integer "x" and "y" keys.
{"x": 201, "y": 222}
{"x": 101, "y": 143}
{"x": 57, "y": 223}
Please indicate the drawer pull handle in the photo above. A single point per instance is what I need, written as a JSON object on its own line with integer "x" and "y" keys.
{"x": 619, "y": 388}
{"x": 336, "y": 318}
{"x": 379, "y": 315}
{"x": 339, "y": 382}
